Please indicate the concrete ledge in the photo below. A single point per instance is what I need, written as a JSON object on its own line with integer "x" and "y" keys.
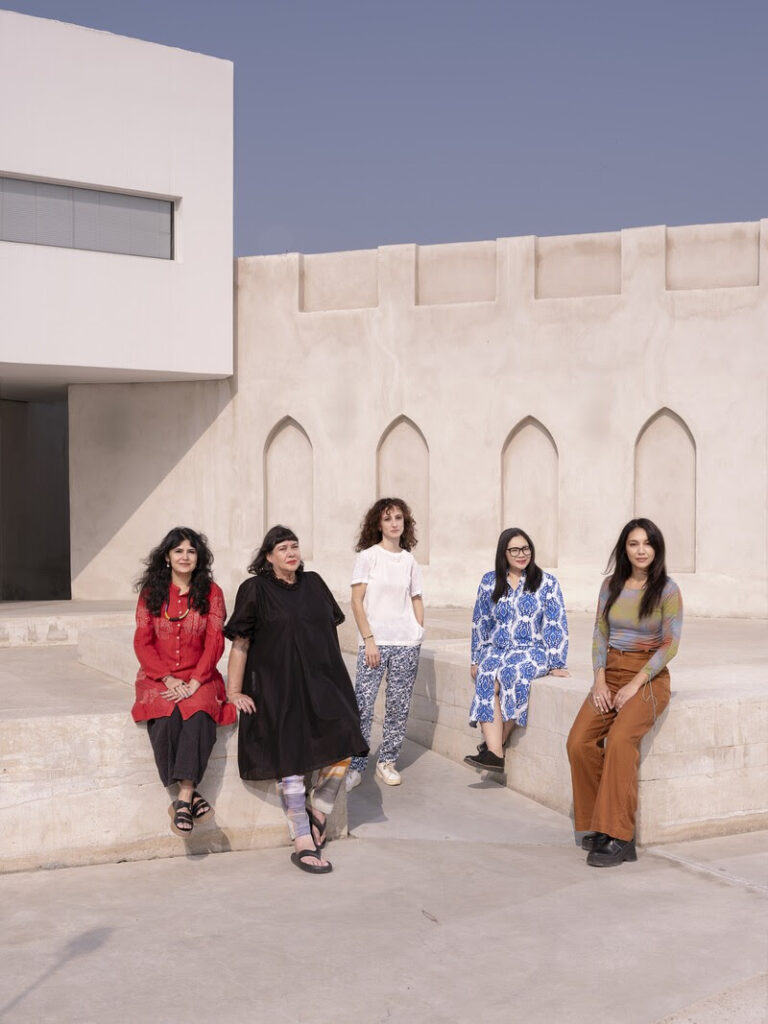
{"x": 51, "y": 623}
{"x": 83, "y": 789}
{"x": 704, "y": 767}
{"x": 109, "y": 650}
{"x": 80, "y": 788}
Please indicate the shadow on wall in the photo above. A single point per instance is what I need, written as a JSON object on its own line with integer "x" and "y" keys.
{"x": 125, "y": 441}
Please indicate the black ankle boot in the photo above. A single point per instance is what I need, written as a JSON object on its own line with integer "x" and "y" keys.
{"x": 612, "y": 852}
{"x": 593, "y": 840}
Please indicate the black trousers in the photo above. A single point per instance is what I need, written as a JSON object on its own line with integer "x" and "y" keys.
{"x": 182, "y": 747}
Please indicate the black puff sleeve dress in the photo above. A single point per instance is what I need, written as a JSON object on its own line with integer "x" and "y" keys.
{"x": 306, "y": 713}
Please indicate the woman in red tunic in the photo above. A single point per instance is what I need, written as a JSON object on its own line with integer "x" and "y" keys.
{"x": 179, "y": 691}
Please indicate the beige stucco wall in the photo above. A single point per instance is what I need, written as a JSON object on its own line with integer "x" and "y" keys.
{"x": 589, "y": 370}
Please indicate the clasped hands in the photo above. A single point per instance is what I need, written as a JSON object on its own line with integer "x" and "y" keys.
{"x": 179, "y": 689}
{"x": 604, "y": 700}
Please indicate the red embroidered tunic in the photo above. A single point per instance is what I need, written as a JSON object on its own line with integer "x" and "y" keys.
{"x": 187, "y": 649}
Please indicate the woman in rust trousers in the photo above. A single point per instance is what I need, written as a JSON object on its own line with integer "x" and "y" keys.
{"x": 637, "y": 632}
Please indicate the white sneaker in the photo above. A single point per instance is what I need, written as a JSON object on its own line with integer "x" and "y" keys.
{"x": 353, "y": 779}
{"x": 388, "y": 773}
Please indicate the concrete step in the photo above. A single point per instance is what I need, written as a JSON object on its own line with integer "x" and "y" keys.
{"x": 109, "y": 649}
{"x": 54, "y": 623}
{"x": 79, "y": 782}
{"x": 704, "y": 767}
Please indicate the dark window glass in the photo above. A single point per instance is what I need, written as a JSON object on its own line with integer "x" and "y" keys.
{"x": 84, "y": 218}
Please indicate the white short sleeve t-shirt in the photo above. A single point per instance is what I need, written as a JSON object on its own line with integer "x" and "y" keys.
{"x": 392, "y": 579}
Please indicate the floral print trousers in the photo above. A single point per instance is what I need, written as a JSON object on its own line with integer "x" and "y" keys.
{"x": 400, "y": 665}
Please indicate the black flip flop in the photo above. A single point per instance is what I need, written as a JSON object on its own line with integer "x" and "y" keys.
{"x": 321, "y": 829}
{"x": 299, "y": 859}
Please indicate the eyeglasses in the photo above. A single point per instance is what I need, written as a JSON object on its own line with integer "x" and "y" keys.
{"x": 516, "y": 552}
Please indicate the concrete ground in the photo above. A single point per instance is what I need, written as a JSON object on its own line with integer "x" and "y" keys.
{"x": 454, "y": 901}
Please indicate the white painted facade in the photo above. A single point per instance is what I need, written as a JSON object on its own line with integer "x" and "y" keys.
{"x": 96, "y": 110}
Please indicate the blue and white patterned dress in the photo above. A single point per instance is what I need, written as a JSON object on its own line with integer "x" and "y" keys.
{"x": 521, "y": 637}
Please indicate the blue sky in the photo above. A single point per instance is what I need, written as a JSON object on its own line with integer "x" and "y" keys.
{"x": 361, "y": 123}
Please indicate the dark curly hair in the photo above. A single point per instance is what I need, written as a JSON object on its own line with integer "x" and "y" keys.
{"x": 154, "y": 582}
{"x": 620, "y": 567}
{"x": 274, "y": 536}
{"x": 370, "y": 528}
{"x": 533, "y": 574}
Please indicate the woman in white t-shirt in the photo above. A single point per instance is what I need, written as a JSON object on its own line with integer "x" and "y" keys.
{"x": 389, "y": 612}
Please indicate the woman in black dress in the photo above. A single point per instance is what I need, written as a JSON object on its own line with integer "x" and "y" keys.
{"x": 287, "y": 675}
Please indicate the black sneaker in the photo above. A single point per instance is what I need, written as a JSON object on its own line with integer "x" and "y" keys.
{"x": 486, "y": 761}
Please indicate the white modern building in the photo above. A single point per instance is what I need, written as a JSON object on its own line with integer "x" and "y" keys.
{"x": 115, "y": 254}
{"x": 562, "y": 385}
{"x": 559, "y": 384}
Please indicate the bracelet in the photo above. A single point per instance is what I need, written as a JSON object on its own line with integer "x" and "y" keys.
{"x": 369, "y": 637}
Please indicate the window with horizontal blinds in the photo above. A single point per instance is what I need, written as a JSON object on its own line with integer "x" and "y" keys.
{"x": 85, "y": 218}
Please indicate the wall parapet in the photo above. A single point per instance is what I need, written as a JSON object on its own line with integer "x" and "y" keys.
{"x": 689, "y": 258}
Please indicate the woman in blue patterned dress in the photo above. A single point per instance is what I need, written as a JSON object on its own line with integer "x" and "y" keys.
{"x": 519, "y": 633}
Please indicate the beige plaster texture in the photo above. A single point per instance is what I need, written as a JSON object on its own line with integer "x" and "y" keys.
{"x": 78, "y": 782}
{"x": 560, "y": 384}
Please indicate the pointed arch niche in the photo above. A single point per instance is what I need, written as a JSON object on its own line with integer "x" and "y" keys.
{"x": 402, "y": 470}
{"x": 665, "y": 485}
{"x": 289, "y": 482}
{"x": 530, "y": 490}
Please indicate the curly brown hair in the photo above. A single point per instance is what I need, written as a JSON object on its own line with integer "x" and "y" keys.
{"x": 370, "y": 528}
{"x": 155, "y": 581}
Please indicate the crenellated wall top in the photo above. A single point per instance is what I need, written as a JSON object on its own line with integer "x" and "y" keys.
{"x": 662, "y": 260}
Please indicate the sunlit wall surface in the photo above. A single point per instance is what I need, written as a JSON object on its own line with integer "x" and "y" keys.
{"x": 116, "y": 213}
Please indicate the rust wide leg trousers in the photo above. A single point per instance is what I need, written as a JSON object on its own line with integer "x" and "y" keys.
{"x": 604, "y": 774}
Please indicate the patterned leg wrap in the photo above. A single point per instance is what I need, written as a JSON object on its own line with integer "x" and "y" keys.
{"x": 327, "y": 787}
{"x": 293, "y": 797}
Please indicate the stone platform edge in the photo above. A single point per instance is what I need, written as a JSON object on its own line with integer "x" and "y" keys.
{"x": 83, "y": 789}
{"x": 703, "y": 769}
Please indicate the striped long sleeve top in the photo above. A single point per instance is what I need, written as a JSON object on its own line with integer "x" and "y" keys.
{"x": 626, "y": 631}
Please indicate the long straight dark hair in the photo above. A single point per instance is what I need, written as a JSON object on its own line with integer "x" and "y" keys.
{"x": 532, "y": 572}
{"x": 620, "y": 567}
